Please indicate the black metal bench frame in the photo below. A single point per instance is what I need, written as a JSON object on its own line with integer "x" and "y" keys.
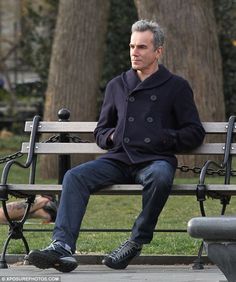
{"x": 64, "y": 148}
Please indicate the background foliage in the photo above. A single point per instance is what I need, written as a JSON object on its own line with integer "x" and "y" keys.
{"x": 122, "y": 15}
{"x": 225, "y": 12}
{"x": 36, "y": 45}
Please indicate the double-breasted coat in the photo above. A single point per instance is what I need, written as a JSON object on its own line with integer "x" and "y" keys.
{"x": 151, "y": 119}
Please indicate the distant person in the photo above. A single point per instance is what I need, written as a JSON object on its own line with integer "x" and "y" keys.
{"x": 148, "y": 115}
{"x": 44, "y": 208}
{"x": 1, "y": 83}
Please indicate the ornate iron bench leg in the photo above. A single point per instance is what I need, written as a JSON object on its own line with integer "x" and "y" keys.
{"x": 3, "y": 263}
{"x": 15, "y": 232}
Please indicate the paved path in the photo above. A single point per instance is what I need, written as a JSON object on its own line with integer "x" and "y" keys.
{"x": 100, "y": 273}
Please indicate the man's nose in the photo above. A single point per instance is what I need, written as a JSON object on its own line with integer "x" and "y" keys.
{"x": 134, "y": 51}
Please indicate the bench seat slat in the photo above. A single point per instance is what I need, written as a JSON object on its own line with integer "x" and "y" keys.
{"x": 80, "y": 126}
{"x": 133, "y": 189}
{"x": 92, "y": 148}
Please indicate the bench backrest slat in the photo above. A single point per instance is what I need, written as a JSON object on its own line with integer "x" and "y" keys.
{"x": 72, "y": 126}
{"x": 55, "y": 126}
{"x": 92, "y": 148}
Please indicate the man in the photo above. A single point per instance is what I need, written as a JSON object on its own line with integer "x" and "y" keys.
{"x": 148, "y": 115}
{"x": 44, "y": 207}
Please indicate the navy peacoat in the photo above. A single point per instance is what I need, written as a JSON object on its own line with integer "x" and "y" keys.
{"x": 151, "y": 119}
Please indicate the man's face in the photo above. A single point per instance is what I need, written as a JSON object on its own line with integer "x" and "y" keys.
{"x": 142, "y": 53}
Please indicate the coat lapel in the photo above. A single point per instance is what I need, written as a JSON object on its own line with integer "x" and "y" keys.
{"x": 133, "y": 83}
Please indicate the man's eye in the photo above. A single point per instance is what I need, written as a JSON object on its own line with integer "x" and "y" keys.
{"x": 137, "y": 46}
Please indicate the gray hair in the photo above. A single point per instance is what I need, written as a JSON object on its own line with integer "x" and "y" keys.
{"x": 144, "y": 25}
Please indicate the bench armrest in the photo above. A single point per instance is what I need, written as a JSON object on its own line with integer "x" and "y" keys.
{"x": 213, "y": 228}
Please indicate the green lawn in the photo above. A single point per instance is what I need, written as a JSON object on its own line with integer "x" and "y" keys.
{"x": 120, "y": 212}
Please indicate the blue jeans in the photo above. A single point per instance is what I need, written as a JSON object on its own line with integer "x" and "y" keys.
{"x": 82, "y": 181}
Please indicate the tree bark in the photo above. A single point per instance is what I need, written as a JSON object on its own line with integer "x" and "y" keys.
{"x": 192, "y": 51}
{"x": 75, "y": 65}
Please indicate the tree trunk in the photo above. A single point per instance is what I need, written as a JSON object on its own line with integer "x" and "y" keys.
{"x": 75, "y": 65}
{"x": 192, "y": 51}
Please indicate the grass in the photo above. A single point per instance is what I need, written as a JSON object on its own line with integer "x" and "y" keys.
{"x": 120, "y": 212}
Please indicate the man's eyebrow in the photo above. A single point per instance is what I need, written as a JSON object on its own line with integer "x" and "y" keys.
{"x": 138, "y": 45}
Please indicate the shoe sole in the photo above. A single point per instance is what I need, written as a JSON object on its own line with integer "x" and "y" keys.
{"x": 44, "y": 261}
{"x": 121, "y": 265}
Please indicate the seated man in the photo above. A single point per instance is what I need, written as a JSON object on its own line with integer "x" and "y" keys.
{"x": 148, "y": 115}
{"x": 44, "y": 207}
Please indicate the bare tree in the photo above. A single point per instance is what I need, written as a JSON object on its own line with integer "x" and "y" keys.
{"x": 76, "y": 63}
{"x": 192, "y": 50}
{"x": 10, "y": 36}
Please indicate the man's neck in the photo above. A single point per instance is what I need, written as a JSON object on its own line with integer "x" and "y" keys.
{"x": 145, "y": 74}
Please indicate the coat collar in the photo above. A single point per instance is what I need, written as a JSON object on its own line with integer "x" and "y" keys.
{"x": 132, "y": 81}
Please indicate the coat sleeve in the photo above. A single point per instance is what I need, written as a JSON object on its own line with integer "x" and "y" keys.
{"x": 190, "y": 132}
{"x": 107, "y": 120}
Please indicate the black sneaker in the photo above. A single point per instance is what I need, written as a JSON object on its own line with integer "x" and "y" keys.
{"x": 121, "y": 257}
{"x": 54, "y": 256}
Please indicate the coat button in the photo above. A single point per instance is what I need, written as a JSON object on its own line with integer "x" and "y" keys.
{"x": 147, "y": 140}
{"x": 130, "y": 119}
{"x": 131, "y": 99}
{"x": 153, "y": 97}
{"x": 126, "y": 139}
{"x": 149, "y": 119}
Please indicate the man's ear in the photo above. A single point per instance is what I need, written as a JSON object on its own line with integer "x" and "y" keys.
{"x": 159, "y": 52}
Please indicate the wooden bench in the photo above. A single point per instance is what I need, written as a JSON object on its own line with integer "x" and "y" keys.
{"x": 33, "y": 148}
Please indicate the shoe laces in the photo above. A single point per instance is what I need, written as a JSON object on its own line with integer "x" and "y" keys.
{"x": 124, "y": 250}
{"x": 56, "y": 247}
{"x": 52, "y": 247}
